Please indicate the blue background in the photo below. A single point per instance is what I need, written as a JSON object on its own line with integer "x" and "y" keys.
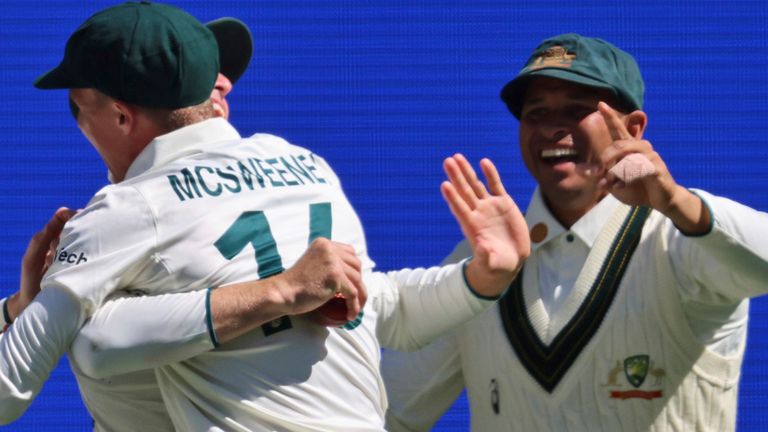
{"x": 384, "y": 90}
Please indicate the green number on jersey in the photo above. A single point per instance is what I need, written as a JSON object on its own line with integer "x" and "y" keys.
{"x": 252, "y": 228}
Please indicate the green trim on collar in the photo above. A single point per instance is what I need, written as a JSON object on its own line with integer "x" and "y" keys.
{"x": 547, "y": 364}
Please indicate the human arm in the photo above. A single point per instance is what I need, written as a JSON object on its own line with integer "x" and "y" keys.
{"x": 717, "y": 255}
{"x": 716, "y": 251}
{"x": 174, "y": 327}
{"x": 421, "y": 385}
{"x": 31, "y": 348}
{"x": 729, "y": 262}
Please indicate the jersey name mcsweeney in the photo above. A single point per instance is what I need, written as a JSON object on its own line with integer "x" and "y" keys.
{"x": 289, "y": 170}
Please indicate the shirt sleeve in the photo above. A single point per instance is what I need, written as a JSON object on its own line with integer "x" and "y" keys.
{"x": 127, "y": 334}
{"x": 105, "y": 247}
{"x": 417, "y": 305}
{"x": 31, "y": 347}
{"x": 719, "y": 271}
{"x": 421, "y": 385}
{"x": 729, "y": 263}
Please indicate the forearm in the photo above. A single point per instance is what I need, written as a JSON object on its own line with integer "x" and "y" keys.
{"x": 30, "y": 349}
{"x": 239, "y": 308}
{"x": 418, "y": 305}
{"x": 134, "y": 333}
{"x": 728, "y": 263}
{"x": 688, "y": 212}
{"x": 127, "y": 334}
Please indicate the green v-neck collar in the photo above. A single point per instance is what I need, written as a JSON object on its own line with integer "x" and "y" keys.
{"x": 547, "y": 364}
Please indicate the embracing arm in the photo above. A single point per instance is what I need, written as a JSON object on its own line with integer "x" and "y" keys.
{"x": 43, "y": 325}
{"x": 30, "y": 348}
{"x": 134, "y": 333}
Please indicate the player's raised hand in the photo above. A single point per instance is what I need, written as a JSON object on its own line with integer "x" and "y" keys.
{"x": 490, "y": 220}
{"x": 39, "y": 255}
{"x": 636, "y": 175}
{"x": 327, "y": 272}
{"x": 633, "y": 179}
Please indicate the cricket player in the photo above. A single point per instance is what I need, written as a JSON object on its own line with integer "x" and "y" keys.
{"x": 194, "y": 205}
{"x": 117, "y": 402}
{"x": 631, "y": 312}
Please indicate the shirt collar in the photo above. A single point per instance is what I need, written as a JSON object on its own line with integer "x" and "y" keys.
{"x": 586, "y": 228}
{"x": 181, "y": 142}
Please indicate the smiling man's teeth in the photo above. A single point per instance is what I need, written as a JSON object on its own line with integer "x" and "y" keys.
{"x": 559, "y": 152}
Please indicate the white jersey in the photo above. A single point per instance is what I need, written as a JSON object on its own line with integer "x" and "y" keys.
{"x": 627, "y": 349}
{"x": 201, "y": 207}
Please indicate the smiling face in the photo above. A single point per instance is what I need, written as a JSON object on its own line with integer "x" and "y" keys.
{"x": 561, "y": 137}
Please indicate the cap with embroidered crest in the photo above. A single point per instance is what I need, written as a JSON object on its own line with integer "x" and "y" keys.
{"x": 582, "y": 60}
{"x": 145, "y": 53}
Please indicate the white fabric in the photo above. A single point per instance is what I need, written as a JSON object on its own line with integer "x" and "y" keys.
{"x": 195, "y": 211}
{"x": 658, "y": 311}
{"x": 134, "y": 333}
{"x": 31, "y": 348}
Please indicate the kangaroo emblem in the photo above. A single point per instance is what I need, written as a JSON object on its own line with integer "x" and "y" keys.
{"x": 613, "y": 376}
{"x": 658, "y": 374}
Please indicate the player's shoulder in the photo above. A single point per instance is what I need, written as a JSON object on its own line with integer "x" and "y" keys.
{"x": 117, "y": 195}
{"x": 113, "y": 205}
{"x": 265, "y": 139}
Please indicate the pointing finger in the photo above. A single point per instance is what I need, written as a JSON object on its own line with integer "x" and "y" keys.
{"x": 616, "y": 126}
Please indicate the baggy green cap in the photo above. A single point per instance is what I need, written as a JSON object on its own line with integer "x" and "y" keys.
{"x": 148, "y": 54}
{"x": 583, "y": 60}
{"x": 235, "y": 46}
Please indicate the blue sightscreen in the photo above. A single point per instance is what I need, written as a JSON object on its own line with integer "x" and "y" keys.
{"x": 384, "y": 90}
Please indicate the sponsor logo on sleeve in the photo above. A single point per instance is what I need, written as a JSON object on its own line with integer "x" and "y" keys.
{"x": 64, "y": 256}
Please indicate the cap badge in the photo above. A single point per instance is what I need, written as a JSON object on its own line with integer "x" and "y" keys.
{"x": 555, "y": 56}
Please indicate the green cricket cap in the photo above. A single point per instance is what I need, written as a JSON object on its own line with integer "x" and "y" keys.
{"x": 148, "y": 54}
{"x": 235, "y": 46}
{"x": 582, "y": 60}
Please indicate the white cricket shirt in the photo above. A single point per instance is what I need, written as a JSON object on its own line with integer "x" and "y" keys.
{"x": 201, "y": 207}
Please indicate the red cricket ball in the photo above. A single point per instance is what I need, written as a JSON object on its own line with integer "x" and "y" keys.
{"x": 335, "y": 308}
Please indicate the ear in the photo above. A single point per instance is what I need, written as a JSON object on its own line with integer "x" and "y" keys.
{"x": 126, "y": 116}
{"x": 636, "y": 122}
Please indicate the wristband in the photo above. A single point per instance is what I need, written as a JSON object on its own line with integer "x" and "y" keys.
{"x": 6, "y": 314}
